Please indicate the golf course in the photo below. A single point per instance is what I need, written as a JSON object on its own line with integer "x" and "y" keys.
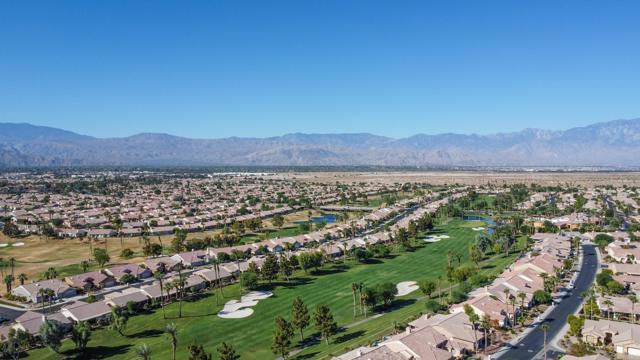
{"x": 331, "y": 285}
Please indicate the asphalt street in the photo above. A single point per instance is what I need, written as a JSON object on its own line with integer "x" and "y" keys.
{"x": 532, "y": 345}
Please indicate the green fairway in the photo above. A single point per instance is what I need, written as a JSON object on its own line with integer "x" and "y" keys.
{"x": 332, "y": 286}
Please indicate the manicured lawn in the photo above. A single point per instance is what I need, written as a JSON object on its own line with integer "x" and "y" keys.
{"x": 252, "y": 336}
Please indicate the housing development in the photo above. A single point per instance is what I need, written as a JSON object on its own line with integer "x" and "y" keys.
{"x": 255, "y": 265}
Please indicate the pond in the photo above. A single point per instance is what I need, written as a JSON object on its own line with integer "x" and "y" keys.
{"x": 488, "y": 221}
{"x": 326, "y": 218}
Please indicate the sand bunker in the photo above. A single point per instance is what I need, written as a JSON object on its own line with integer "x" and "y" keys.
{"x": 235, "y": 309}
{"x": 479, "y": 228}
{"x": 3, "y": 245}
{"x": 18, "y": 244}
{"x": 436, "y": 238}
{"x": 406, "y": 287}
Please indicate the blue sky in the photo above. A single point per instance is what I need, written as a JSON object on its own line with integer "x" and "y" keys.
{"x": 261, "y": 68}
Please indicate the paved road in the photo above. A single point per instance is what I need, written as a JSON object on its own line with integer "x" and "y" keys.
{"x": 530, "y": 347}
{"x": 624, "y": 224}
{"x": 10, "y": 314}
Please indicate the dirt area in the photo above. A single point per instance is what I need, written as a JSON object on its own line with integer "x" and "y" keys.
{"x": 471, "y": 177}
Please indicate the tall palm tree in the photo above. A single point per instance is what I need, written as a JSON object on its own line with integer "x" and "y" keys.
{"x": 160, "y": 276}
{"x": 507, "y": 296}
{"x": 12, "y": 262}
{"x": 545, "y": 328}
{"x": 172, "y": 333}
{"x": 485, "y": 325}
{"x": 354, "y": 290}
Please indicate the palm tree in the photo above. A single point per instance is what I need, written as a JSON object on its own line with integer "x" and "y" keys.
{"x": 364, "y": 298}
{"x": 22, "y": 277}
{"x": 8, "y": 280}
{"x": 354, "y": 289}
{"x": 41, "y": 295}
{"x": 522, "y": 296}
{"x": 12, "y": 262}
{"x": 507, "y": 296}
{"x": 485, "y": 325}
{"x": 172, "y": 333}
{"x": 144, "y": 352}
{"x": 634, "y": 300}
{"x": 608, "y": 303}
{"x": 545, "y": 328}
{"x": 160, "y": 276}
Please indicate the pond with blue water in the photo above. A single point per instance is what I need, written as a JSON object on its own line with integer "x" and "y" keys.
{"x": 487, "y": 221}
{"x": 326, "y": 218}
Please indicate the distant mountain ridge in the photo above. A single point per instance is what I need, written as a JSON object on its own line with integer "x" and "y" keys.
{"x": 607, "y": 144}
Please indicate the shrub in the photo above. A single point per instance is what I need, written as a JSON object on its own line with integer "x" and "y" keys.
{"x": 541, "y": 297}
{"x": 126, "y": 253}
{"x": 433, "y": 306}
{"x": 249, "y": 280}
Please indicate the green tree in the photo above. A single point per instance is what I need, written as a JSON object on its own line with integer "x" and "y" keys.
{"x": 101, "y": 256}
{"x": 277, "y": 220}
{"x": 51, "y": 335}
{"x": 249, "y": 280}
{"x": 227, "y": 352}
{"x": 324, "y": 322}
{"x": 286, "y": 268}
{"x": 270, "y": 268}
{"x": 196, "y": 352}
{"x": 119, "y": 319}
{"x": 282, "y": 337}
{"x": 80, "y": 334}
{"x": 427, "y": 287}
{"x": 300, "y": 316}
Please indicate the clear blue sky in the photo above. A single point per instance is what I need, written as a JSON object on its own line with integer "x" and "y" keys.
{"x": 261, "y": 68}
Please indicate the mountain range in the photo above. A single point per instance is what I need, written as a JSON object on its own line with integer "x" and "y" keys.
{"x": 608, "y": 144}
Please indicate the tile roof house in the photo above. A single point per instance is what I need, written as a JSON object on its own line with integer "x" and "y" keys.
{"x": 32, "y": 291}
{"x": 31, "y": 321}
{"x": 121, "y": 299}
{"x": 117, "y": 272}
{"x": 90, "y": 281}
{"x": 192, "y": 258}
{"x": 624, "y": 337}
{"x": 82, "y": 311}
{"x": 162, "y": 264}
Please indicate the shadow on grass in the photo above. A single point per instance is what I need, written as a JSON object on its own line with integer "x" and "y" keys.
{"x": 99, "y": 352}
{"x": 147, "y": 333}
{"x": 349, "y": 336}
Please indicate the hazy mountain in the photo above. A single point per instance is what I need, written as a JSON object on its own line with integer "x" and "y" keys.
{"x": 610, "y": 144}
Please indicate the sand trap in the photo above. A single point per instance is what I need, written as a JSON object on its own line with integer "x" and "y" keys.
{"x": 406, "y": 287}
{"x": 235, "y": 309}
{"x": 18, "y": 244}
{"x": 479, "y": 228}
{"x": 436, "y": 238}
{"x": 3, "y": 245}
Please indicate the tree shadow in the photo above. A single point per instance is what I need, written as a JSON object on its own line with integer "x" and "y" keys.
{"x": 307, "y": 356}
{"x": 147, "y": 333}
{"x": 101, "y": 352}
{"x": 331, "y": 271}
{"x": 349, "y": 336}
